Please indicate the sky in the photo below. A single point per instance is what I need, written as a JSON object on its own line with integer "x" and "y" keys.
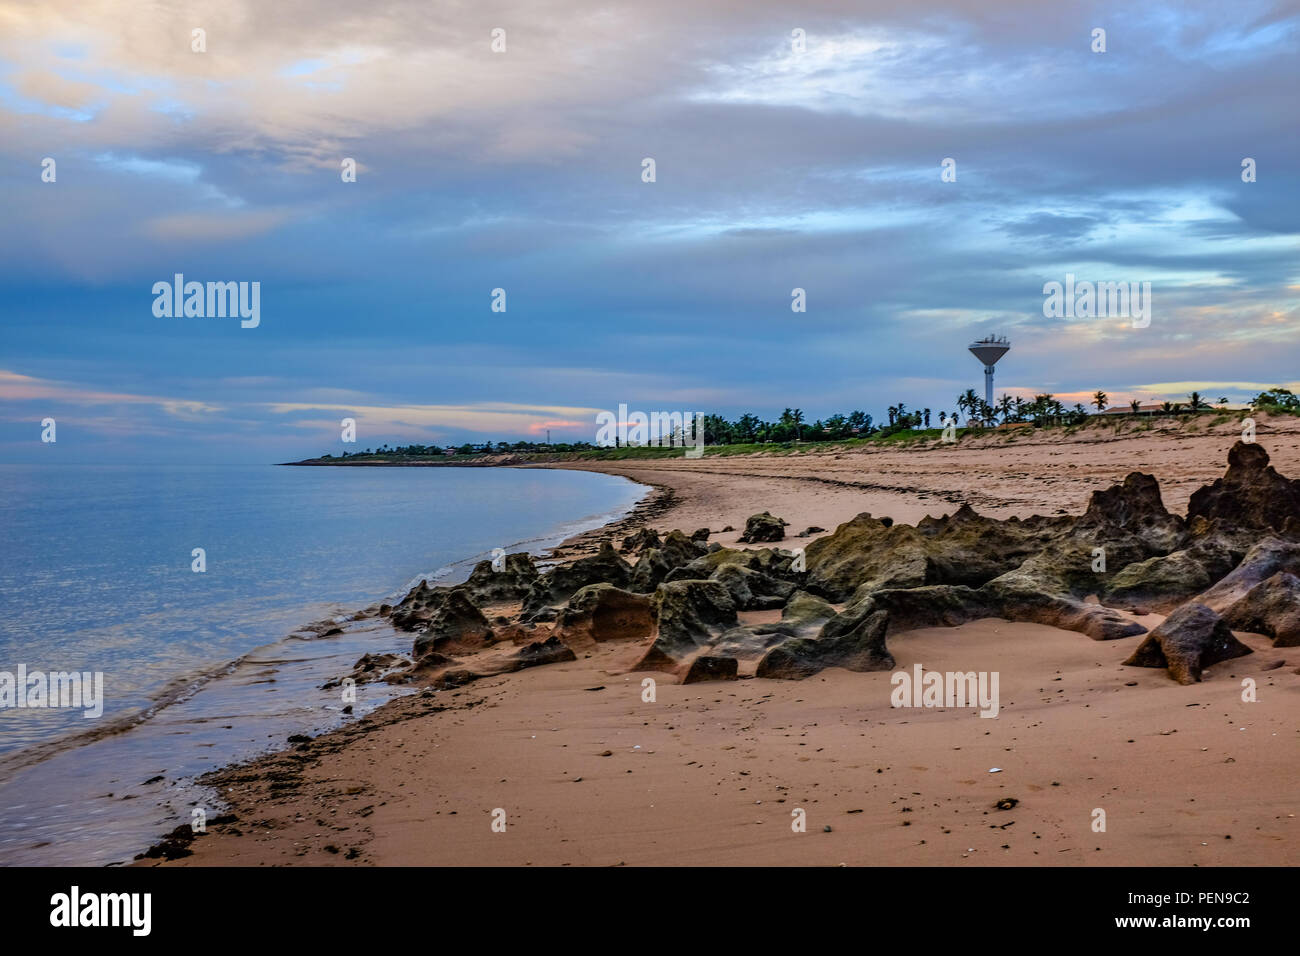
{"x": 521, "y": 169}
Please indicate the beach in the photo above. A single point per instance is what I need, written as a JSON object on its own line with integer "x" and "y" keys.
{"x": 571, "y": 764}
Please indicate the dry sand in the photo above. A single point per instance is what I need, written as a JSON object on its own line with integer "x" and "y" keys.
{"x": 710, "y": 773}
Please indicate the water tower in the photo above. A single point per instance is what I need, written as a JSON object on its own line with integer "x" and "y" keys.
{"x": 988, "y": 351}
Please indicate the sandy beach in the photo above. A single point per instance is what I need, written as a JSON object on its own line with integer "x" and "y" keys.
{"x": 576, "y": 767}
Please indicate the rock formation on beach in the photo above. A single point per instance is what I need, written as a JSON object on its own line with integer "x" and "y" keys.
{"x": 1232, "y": 562}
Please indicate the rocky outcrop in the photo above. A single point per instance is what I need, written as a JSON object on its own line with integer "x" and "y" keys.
{"x": 763, "y": 527}
{"x": 602, "y": 612}
{"x": 1237, "y": 554}
{"x": 1190, "y": 640}
{"x": 1251, "y": 494}
{"x": 420, "y": 603}
{"x": 641, "y": 540}
{"x": 559, "y": 584}
{"x": 806, "y": 613}
{"x": 1267, "y": 557}
{"x": 371, "y": 668}
{"x": 868, "y": 554}
{"x": 1006, "y": 598}
{"x": 854, "y": 640}
{"x": 1271, "y": 608}
{"x": 690, "y": 615}
{"x": 549, "y": 651}
{"x": 1132, "y": 509}
{"x": 512, "y": 583}
{"x": 754, "y": 590}
{"x": 657, "y": 563}
{"x": 1162, "y": 583}
{"x": 456, "y": 626}
{"x": 706, "y": 668}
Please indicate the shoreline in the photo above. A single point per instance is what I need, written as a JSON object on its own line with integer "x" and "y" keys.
{"x": 356, "y": 794}
{"x": 361, "y": 617}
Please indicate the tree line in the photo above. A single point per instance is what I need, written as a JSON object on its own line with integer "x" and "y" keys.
{"x": 791, "y": 426}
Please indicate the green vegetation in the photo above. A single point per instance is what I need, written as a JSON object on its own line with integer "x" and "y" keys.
{"x": 1277, "y": 401}
{"x": 792, "y": 434}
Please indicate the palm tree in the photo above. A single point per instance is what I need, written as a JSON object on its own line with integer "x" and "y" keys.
{"x": 1136, "y": 405}
{"x": 1100, "y": 399}
{"x": 1004, "y": 407}
{"x": 1166, "y": 407}
{"x": 968, "y": 402}
{"x": 797, "y": 418}
{"x": 893, "y": 413}
{"x": 786, "y": 422}
{"x": 1221, "y": 402}
{"x": 1196, "y": 403}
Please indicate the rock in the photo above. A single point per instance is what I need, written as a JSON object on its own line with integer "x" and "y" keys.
{"x": 1165, "y": 582}
{"x": 769, "y": 561}
{"x": 1251, "y": 494}
{"x": 1069, "y": 614}
{"x": 656, "y": 564}
{"x": 854, "y": 640}
{"x": 965, "y": 548}
{"x": 457, "y": 625}
{"x": 432, "y": 661}
{"x": 512, "y": 583}
{"x": 1136, "y": 507}
{"x": 805, "y": 613}
{"x": 174, "y": 846}
{"x": 763, "y": 527}
{"x": 641, "y": 540}
{"x": 953, "y": 605}
{"x": 516, "y": 633}
{"x": 1192, "y": 638}
{"x": 700, "y": 534}
{"x": 418, "y": 606}
{"x": 561, "y": 583}
{"x": 706, "y": 668}
{"x": 811, "y": 529}
{"x": 370, "y": 668}
{"x": 736, "y": 580}
{"x": 602, "y": 612}
{"x": 865, "y": 553}
{"x": 457, "y": 678}
{"x": 549, "y": 651}
{"x": 752, "y": 641}
{"x": 690, "y": 615}
{"x": 940, "y": 605}
{"x": 1267, "y": 557}
{"x": 1271, "y": 608}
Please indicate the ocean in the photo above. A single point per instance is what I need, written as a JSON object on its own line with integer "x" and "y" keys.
{"x": 203, "y": 653}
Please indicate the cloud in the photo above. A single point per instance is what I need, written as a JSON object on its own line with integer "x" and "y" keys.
{"x": 208, "y": 227}
{"x": 25, "y": 388}
{"x": 522, "y": 170}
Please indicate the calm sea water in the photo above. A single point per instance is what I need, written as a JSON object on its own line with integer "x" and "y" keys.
{"x": 200, "y": 669}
